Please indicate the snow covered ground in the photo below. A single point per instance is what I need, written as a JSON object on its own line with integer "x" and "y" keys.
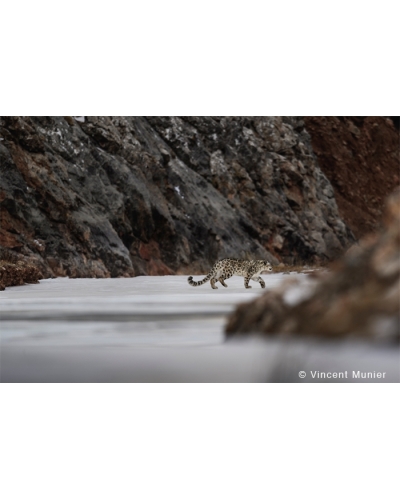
{"x": 156, "y": 328}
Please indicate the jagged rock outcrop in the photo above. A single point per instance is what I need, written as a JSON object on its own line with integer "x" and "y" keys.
{"x": 122, "y": 196}
{"x": 16, "y": 270}
{"x": 360, "y": 297}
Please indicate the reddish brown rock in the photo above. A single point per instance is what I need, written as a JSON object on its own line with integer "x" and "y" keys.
{"x": 15, "y": 270}
{"x": 360, "y": 157}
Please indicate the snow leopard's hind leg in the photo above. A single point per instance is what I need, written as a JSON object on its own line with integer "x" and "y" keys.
{"x": 225, "y": 276}
{"x": 221, "y": 280}
{"x": 212, "y": 282}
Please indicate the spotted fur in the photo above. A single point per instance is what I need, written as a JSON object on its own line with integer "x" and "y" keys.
{"x": 225, "y": 268}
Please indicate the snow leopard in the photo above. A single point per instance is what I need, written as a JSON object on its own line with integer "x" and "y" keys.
{"x": 225, "y": 268}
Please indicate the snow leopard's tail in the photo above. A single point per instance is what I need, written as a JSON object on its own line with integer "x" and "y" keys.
{"x": 198, "y": 283}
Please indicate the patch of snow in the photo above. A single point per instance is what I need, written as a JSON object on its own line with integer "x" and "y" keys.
{"x": 80, "y": 119}
{"x": 177, "y": 189}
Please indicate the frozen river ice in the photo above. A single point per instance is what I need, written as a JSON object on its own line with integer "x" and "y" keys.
{"x": 155, "y": 329}
{"x": 146, "y": 311}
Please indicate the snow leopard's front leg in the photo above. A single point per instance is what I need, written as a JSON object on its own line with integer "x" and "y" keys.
{"x": 260, "y": 280}
{"x": 246, "y": 281}
{"x": 249, "y": 274}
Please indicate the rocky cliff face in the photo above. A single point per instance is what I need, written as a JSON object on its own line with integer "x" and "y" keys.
{"x": 121, "y": 196}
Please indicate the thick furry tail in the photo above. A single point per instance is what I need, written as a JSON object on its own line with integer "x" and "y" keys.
{"x": 198, "y": 283}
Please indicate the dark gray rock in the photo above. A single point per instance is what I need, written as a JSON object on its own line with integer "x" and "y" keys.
{"x": 122, "y": 196}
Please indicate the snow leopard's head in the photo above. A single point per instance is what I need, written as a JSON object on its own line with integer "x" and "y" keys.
{"x": 266, "y": 266}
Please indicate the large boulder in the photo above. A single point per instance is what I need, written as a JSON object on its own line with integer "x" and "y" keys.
{"x": 360, "y": 297}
